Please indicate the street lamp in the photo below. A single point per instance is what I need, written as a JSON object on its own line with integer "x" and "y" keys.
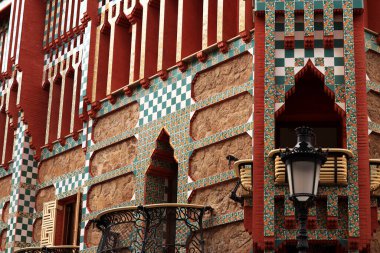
{"x": 303, "y": 164}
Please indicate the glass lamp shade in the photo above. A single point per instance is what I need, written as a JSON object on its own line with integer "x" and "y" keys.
{"x": 303, "y": 164}
{"x": 303, "y": 177}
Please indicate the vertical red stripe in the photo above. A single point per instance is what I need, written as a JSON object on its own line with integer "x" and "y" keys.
{"x": 78, "y": 12}
{"x": 60, "y": 19}
{"x": 362, "y": 131}
{"x": 55, "y": 20}
{"x": 3, "y": 118}
{"x": 11, "y": 31}
{"x": 66, "y": 17}
{"x": 258, "y": 153}
{"x": 77, "y": 122}
{"x": 71, "y": 21}
{"x": 3, "y": 33}
{"x": 92, "y": 12}
{"x": 67, "y": 102}
{"x": 48, "y": 24}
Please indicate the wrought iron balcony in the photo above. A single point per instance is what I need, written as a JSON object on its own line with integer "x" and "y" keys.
{"x": 375, "y": 174}
{"x": 334, "y": 171}
{"x": 50, "y": 249}
{"x": 152, "y": 228}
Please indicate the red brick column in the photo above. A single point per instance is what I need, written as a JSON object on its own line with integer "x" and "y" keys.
{"x": 258, "y": 140}
{"x": 362, "y": 131}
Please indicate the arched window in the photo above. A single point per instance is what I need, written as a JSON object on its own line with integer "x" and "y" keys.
{"x": 310, "y": 102}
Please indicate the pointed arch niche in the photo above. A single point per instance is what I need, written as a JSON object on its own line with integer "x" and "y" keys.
{"x": 310, "y": 102}
{"x": 161, "y": 181}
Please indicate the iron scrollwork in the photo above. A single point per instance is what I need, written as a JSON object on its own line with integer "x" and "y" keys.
{"x": 122, "y": 231}
{"x": 152, "y": 229}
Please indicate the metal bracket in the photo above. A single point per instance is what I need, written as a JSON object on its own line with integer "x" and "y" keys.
{"x": 234, "y": 196}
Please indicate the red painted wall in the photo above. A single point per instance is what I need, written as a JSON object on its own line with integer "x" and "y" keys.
{"x": 372, "y": 15}
{"x": 33, "y": 98}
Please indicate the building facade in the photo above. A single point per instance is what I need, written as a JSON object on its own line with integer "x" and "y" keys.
{"x": 123, "y": 103}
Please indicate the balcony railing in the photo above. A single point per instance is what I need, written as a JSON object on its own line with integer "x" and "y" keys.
{"x": 50, "y": 249}
{"x": 334, "y": 171}
{"x": 375, "y": 173}
{"x": 243, "y": 170}
{"x": 152, "y": 228}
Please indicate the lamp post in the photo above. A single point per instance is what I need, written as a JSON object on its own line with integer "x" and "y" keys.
{"x": 303, "y": 164}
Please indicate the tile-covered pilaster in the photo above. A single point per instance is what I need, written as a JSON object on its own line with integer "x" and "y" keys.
{"x": 269, "y": 100}
{"x": 24, "y": 181}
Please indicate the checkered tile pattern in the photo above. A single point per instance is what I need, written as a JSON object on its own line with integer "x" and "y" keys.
{"x": 26, "y": 201}
{"x": 71, "y": 183}
{"x": 10, "y": 232}
{"x": 24, "y": 179}
{"x": 81, "y": 238}
{"x": 279, "y": 5}
{"x": 24, "y": 228}
{"x": 89, "y": 140}
{"x": 166, "y": 100}
{"x": 52, "y": 58}
{"x": 289, "y": 62}
{"x": 85, "y": 61}
{"x": 84, "y": 199}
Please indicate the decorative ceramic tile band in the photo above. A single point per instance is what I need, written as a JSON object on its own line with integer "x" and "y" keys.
{"x": 373, "y": 126}
{"x": 351, "y": 117}
{"x": 109, "y": 175}
{"x": 94, "y": 214}
{"x": 60, "y": 178}
{"x": 221, "y": 136}
{"x": 210, "y": 181}
{"x": 279, "y": 5}
{"x": 373, "y": 86}
{"x": 371, "y": 42}
{"x": 113, "y": 140}
{"x": 223, "y": 219}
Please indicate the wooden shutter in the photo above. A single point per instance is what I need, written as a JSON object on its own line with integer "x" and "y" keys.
{"x": 48, "y": 223}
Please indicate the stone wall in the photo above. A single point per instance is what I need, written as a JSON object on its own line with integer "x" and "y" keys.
{"x": 92, "y": 235}
{"x": 111, "y": 193}
{"x": 44, "y": 195}
{"x": 5, "y": 213}
{"x": 5, "y": 183}
{"x": 3, "y": 239}
{"x": 218, "y": 197}
{"x": 228, "y": 238}
{"x": 375, "y": 243}
{"x": 116, "y": 122}
{"x": 212, "y": 160}
{"x": 374, "y": 145}
{"x": 373, "y": 100}
{"x": 61, "y": 164}
{"x": 231, "y": 73}
{"x": 222, "y": 116}
{"x": 373, "y": 63}
{"x": 114, "y": 157}
{"x": 37, "y": 230}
